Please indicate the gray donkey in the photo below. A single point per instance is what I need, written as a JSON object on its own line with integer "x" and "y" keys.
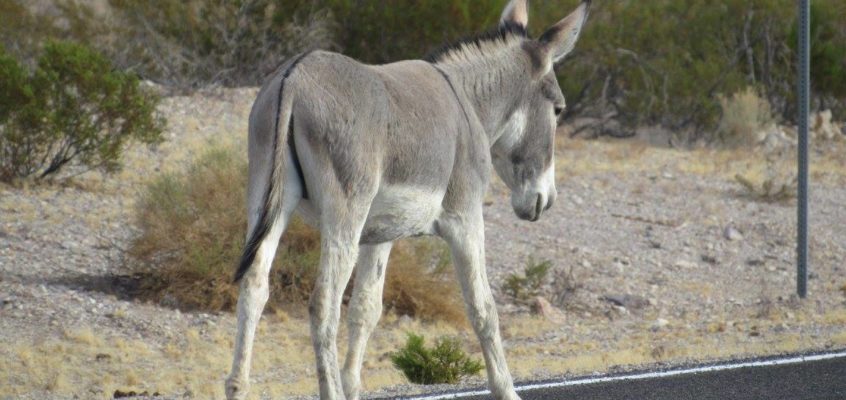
{"x": 372, "y": 154}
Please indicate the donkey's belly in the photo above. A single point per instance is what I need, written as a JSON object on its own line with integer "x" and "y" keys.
{"x": 399, "y": 211}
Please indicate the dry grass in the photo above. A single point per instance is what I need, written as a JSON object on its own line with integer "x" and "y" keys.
{"x": 91, "y": 364}
{"x": 194, "y": 361}
{"x": 192, "y": 238}
{"x": 415, "y": 289}
{"x": 745, "y": 115}
{"x": 577, "y": 157}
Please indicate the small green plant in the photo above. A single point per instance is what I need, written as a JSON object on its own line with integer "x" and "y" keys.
{"x": 443, "y": 363}
{"x": 522, "y": 288}
{"x": 73, "y": 109}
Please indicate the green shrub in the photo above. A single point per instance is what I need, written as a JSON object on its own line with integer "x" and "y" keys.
{"x": 200, "y": 42}
{"x": 391, "y": 30}
{"x": 670, "y": 74}
{"x": 192, "y": 235}
{"x": 694, "y": 50}
{"x": 73, "y": 109}
{"x": 443, "y": 363}
{"x": 523, "y": 288}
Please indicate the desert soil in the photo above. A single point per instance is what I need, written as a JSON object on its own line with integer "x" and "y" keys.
{"x": 659, "y": 257}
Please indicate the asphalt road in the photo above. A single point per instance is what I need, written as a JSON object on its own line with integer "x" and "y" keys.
{"x": 823, "y": 379}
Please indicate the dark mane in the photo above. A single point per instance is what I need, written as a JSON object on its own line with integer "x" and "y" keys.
{"x": 502, "y": 32}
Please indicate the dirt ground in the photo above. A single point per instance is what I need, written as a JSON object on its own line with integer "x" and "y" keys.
{"x": 659, "y": 257}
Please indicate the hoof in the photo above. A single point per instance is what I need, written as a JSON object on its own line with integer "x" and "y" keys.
{"x": 351, "y": 386}
{"x": 236, "y": 389}
{"x": 511, "y": 395}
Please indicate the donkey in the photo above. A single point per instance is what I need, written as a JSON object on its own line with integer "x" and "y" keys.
{"x": 371, "y": 154}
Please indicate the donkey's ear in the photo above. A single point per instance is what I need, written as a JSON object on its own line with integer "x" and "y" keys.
{"x": 516, "y": 12}
{"x": 560, "y": 39}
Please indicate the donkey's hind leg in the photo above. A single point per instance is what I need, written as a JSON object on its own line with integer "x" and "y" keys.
{"x": 364, "y": 311}
{"x": 340, "y": 233}
{"x": 254, "y": 292}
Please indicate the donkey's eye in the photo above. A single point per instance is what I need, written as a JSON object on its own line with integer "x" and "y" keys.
{"x": 558, "y": 111}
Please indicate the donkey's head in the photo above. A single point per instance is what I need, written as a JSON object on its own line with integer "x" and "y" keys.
{"x": 523, "y": 151}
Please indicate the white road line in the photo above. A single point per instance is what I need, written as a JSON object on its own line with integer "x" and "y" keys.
{"x": 645, "y": 375}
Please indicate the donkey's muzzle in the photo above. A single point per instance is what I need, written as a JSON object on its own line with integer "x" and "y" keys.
{"x": 532, "y": 211}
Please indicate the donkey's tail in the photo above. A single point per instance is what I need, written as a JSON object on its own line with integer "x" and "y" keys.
{"x": 279, "y": 130}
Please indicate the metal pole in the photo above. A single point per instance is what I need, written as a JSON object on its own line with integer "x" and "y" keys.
{"x": 804, "y": 105}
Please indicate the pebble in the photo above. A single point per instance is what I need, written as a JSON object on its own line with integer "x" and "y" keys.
{"x": 731, "y": 233}
{"x": 684, "y": 264}
{"x": 660, "y": 323}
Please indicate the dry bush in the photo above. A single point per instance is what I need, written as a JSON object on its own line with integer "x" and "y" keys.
{"x": 414, "y": 288}
{"x": 746, "y": 114}
{"x": 772, "y": 188}
{"x": 193, "y": 235}
{"x": 772, "y": 180}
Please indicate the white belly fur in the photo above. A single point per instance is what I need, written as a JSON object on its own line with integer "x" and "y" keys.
{"x": 401, "y": 211}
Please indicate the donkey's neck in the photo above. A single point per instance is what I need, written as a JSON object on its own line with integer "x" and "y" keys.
{"x": 492, "y": 83}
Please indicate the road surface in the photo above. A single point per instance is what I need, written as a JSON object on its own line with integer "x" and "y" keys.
{"x": 804, "y": 377}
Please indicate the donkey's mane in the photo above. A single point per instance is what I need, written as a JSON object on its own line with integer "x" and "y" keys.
{"x": 481, "y": 43}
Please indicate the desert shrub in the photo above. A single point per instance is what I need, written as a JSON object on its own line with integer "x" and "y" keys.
{"x": 385, "y": 31}
{"x": 772, "y": 186}
{"x": 771, "y": 176}
{"x": 200, "y": 42}
{"x": 745, "y": 116}
{"x": 414, "y": 288}
{"x": 523, "y": 288}
{"x": 672, "y": 73}
{"x": 443, "y": 363}
{"x": 73, "y": 109}
{"x": 192, "y": 235}
{"x": 828, "y": 51}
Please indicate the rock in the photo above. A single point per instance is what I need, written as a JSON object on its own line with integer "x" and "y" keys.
{"x": 731, "y": 233}
{"x": 710, "y": 259}
{"x": 660, "y": 323}
{"x": 632, "y": 302}
{"x": 544, "y": 308}
{"x": 754, "y": 262}
{"x": 683, "y": 264}
{"x": 822, "y": 127}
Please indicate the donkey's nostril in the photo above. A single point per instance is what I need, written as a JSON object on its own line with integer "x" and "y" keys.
{"x": 538, "y": 208}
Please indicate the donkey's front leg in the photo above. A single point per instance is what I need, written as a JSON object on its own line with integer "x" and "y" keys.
{"x": 466, "y": 238}
{"x": 337, "y": 259}
{"x": 364, "y": 311}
